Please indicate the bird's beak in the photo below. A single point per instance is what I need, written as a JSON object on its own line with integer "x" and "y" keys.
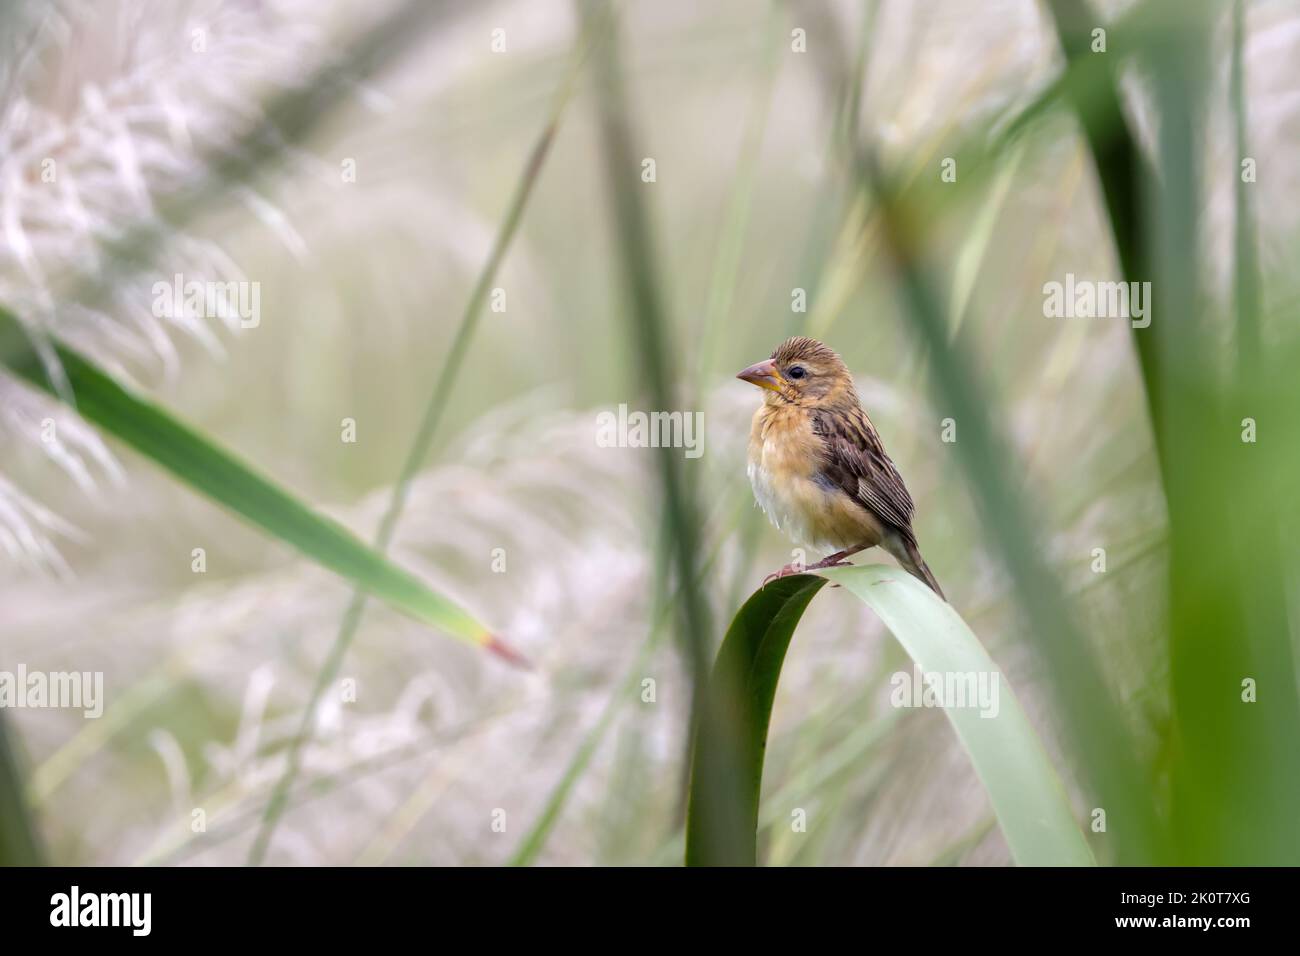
{"x": 764, "y": 375}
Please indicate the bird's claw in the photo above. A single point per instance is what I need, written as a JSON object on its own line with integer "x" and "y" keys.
{"x": 790, "y": 569}
{"x": 785, "y": 572}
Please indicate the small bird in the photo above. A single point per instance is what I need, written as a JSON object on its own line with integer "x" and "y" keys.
{"x": 818, "y": 467}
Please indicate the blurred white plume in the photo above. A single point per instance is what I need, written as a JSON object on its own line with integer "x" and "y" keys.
{"x": 106, "y": 107}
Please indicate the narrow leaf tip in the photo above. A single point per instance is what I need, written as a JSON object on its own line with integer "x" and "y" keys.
{"x": 507, "y": 653}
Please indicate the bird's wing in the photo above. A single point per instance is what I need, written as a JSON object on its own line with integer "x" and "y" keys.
{"x": 855, "y": 461}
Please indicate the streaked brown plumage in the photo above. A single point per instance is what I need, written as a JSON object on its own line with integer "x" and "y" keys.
{"x": 818, "y": 466}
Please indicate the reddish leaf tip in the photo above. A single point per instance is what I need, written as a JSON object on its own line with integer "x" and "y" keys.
{"x": 507, "y": 653}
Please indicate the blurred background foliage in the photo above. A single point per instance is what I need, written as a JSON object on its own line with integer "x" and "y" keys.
{"x": 776, "y": 170}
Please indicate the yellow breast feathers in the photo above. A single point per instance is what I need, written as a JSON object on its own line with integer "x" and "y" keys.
{"x": 785, "y": 460}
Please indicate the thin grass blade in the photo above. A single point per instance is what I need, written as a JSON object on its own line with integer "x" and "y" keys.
{"x": 217, "y": 474}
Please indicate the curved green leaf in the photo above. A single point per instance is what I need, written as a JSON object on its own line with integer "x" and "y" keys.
{"x": 216, "y": 473}
{"x": 1027, "y": 796}
{"x": 731, "y": 740}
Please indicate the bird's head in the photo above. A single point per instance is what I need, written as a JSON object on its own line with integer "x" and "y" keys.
{"x": 802, "y": 371}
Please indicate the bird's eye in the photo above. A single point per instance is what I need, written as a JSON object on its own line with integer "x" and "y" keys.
{"x": 796, "y": 371}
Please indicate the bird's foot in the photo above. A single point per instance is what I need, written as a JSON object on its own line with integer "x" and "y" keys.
{"x": 785, "y": 572}
{"x": 832, "y": 562}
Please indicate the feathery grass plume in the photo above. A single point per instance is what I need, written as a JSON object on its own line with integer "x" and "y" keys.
{"x": 513, "y": 486}
{"x": 105, "y": 108}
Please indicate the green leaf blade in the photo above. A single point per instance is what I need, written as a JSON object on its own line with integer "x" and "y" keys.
{"x": 1028, "y": 798}
{"x": 219, "y": 475}
{"x": 731, "y": 740}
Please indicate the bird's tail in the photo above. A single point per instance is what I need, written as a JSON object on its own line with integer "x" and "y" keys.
{"x": 908, "y": 554}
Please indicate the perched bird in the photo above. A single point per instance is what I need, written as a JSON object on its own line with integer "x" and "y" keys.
{"x": 818, "y": 467}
